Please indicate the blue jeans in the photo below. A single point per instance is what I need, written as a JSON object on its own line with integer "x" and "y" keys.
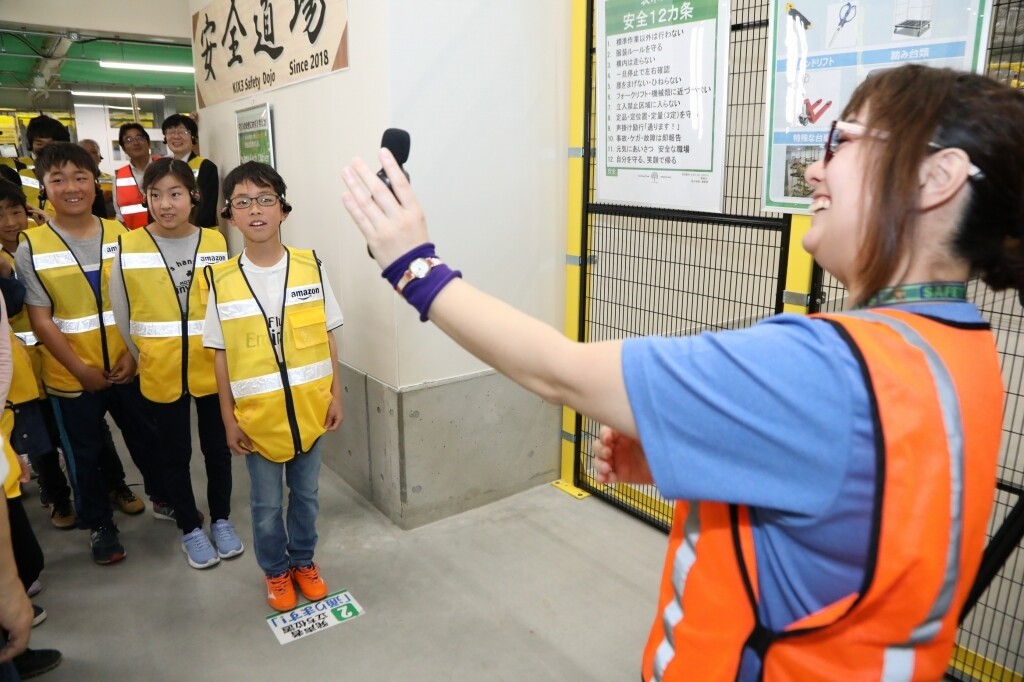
{"x": 276, "y": 549}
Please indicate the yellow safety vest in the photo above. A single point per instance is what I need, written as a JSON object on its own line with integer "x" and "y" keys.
{"x": 20, "y": 322}
{"x": 25, "y": 348}
{"x": 281, "y": 406}
{"x": 86, "y": 320}
{"x": 172, "y": 359}
{"x": 12, "y": 487}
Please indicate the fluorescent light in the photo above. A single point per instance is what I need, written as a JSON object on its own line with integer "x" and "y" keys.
{"x": 138, "y": 95}
{"x": 102, "y": 106}
{"x": 166, "y": 68}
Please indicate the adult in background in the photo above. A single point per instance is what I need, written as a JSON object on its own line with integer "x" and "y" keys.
{"x": 180, "y": 134}
{"x": 100, "y": 205}
{"x": 834, "y": 473}
{"x": 40, "y": 131}
{"x": 129, "y": 206}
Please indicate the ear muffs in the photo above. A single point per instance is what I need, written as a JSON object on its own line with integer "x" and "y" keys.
{"x": 285, "y": 206}
{"x": 194, "y": 195}
{"x": 145, "y": 204}
{"x": 226, "y": 211}
{"x": 42, "y": 195}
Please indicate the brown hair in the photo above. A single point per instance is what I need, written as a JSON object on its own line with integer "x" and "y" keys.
{"x": 918, "y": 106}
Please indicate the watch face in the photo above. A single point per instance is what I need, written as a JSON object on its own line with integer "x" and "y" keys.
{"x": 419, "y": 268}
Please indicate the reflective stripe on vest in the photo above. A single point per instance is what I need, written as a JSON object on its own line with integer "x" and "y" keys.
{"x": 81, "y": 325}
{"x": 30, "y": 181}
{"x": 161, "y": 329}
{"x": 273, "y": 382}
{"x": 899, "y": 659}
{"x": 27, "y": 338}
{"x": 685, "y": 557}
{"x": 47, "y": 261}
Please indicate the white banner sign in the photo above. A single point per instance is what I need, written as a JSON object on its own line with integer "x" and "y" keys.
{"x": 245, "y": 47}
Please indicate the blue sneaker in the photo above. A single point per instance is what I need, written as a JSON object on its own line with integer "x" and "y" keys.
{"x": 198, "y": 549}
{"x": 224, "y": 536}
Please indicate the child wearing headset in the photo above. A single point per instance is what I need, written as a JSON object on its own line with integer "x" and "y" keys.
{"x": 159, "y": 304}
{"x": 86, "y": 368}
{"x": 270, "y": 317}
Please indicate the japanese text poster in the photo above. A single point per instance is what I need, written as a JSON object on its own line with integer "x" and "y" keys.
{"x": 245, "y": 47}
{"x": 255, "y": 134}
{"x": 661, "y": 97}
{"x": 822, "y": 50}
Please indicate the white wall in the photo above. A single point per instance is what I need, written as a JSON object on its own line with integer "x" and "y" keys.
{"x": 154, "y": 18}
{"x": 483, "y": 92}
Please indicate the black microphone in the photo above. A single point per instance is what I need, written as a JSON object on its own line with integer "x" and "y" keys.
{"x": 396, "y": 141}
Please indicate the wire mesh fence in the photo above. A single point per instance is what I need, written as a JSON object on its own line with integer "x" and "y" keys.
{"x": 672, "y": 273}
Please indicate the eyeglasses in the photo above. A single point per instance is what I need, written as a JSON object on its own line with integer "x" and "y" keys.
{"x": 264, "y": 200}
{"x": 843, "y": 131}
{"x": 135, "y": 138}
{"x": 176, "y": 132}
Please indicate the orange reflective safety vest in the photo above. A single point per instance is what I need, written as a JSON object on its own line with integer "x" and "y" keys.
{"x": 934, "y": 389}
{"x": 85, "y": 319}
{"x": 172, "y": 359}
{"x": 129, "y": 198}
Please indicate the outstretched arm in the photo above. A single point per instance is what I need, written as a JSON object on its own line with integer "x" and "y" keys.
{"x": 586, "y": 377}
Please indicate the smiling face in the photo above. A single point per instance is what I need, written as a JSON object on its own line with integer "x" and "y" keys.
{"x": 839, "y": 206}
{"x": 179, "y": 140}
{"x": 259, "y": 224}
{"x": 71, "y": 189}
{"x": 13, "y": 219}
{"x": 136, "y": 145}
{"x": 170, "y": 204}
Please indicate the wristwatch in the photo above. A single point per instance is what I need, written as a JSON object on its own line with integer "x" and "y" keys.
{"x": 418, "y": 269}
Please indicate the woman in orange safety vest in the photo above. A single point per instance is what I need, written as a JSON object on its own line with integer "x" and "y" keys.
{"x": 834, "y": 473}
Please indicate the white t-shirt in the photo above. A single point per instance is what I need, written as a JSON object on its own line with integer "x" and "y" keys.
{"x": 268, "y": 284}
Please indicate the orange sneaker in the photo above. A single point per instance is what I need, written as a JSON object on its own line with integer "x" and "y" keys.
{"x": 280, "y": 592}
{"x": 309, "y": 581}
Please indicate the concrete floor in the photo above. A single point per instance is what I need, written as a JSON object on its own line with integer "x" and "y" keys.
{"x": 539, "y": 586}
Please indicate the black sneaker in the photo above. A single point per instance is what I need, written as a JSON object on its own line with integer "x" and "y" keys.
{"x": 34, "y": 662}
{"x": 105, "y": 547}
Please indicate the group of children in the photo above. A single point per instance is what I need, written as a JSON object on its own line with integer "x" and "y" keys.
{"x": 141, "y": 324}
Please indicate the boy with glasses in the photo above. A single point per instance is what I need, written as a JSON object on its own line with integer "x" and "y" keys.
{"x": 269, "y": 319}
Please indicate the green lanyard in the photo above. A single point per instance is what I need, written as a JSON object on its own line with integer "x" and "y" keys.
{"x": 925, "y": 292}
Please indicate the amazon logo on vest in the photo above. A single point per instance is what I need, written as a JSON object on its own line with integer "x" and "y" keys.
{"x": 299, "y": 294}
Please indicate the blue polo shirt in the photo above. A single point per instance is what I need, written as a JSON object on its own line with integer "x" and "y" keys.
{"x": 777, "y": 417}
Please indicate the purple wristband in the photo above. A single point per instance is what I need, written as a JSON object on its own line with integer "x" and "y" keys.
{"x": 420, "y": 293}
{"x": 393, "y": 273}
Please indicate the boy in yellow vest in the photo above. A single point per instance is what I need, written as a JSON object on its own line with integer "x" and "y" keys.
{"x": 270, "y": 317}
{"x": 35, "y": 427}
{"x": 86, "y": 368}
